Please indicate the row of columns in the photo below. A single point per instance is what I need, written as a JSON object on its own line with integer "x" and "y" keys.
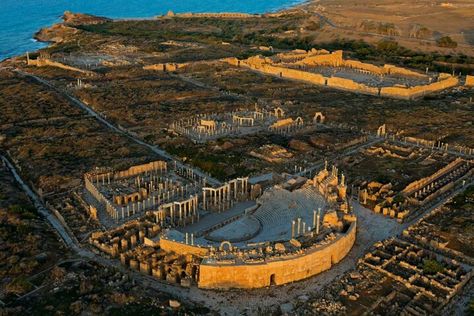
{"x": 179, "y": 212}
{"x": 287, "y": 129}
{"x": 189, "y": 239}
{"x": 224, "y": 194}
{"x": 299, "y": 227}
{"x": 242, "y": 121}
{"x": 433, "y": 145}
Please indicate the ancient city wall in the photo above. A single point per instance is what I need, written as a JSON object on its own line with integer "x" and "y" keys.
{"x": 183, "y": 249}
{"x": 277, "y": 270}
{"x": 470, "y": 81}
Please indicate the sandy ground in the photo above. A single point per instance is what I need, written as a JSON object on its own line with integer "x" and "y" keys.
{"x": 343, "y": 18}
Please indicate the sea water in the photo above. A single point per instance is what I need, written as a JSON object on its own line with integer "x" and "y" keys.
{"x": 20, "y": 19}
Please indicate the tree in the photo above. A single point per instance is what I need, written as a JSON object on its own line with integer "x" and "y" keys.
{"x": 446, "y": 41}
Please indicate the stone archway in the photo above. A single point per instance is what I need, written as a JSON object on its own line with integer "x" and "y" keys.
{"x": 381, "y": 130}
{"x": 279, "y": 112}
{"x": 225, "y": 243}
{"x": 318, "y": 117}
{"x": 272, "y": 279}
{"x": 299, "y": 121}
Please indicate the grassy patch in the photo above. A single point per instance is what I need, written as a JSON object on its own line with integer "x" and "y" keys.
{"x": 432, "y": 267}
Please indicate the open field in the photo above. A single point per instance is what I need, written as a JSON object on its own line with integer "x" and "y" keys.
{"x": 410, "y": 23}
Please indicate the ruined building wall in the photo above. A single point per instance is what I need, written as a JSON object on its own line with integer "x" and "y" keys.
{"x": 419, "y": 91}
{"x": 396, "y": 92}
{"x": 233, "y": 15}
{"x": 470, "y": 81}
{"x": 333, "y": 59}
{"x": 90, "y": 187}
{"x": 299, "y": 75}
{"x": 183, "y": 249}
{"x": 231, "y": 60}
{"x": 166, "y": 66}
{"x": 347, "y": 84}
{"x": 394, "y": 70}
{"x": 135, "y": 170}
{"x": 415, "y": 185}
{"x": 289, "y": 73}
{"x": 278, "y": 270}
{"x": 363, "y": 66}
{"x": 43, "y": 62}
{"x": 299, "y": 54}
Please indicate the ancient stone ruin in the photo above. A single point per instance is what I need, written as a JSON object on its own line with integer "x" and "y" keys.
{"x": 168, "y": 223}
{"x": 331, "y": 69}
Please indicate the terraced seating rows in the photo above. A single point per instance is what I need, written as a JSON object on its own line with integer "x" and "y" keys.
{"x": 280, "y": 207}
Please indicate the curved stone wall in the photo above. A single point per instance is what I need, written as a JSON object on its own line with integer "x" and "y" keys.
{"x": 277, "y": 270}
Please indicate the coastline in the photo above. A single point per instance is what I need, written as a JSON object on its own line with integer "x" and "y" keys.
{"x": 292, "y": 6}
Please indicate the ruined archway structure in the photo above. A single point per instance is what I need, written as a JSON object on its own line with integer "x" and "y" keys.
{"x": 223, "y": 245}
{"x": 318, "y": 117}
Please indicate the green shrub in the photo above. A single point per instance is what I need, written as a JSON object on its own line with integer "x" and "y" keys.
{"x": 446, "y": 41}
{"x": 432, "y": 266}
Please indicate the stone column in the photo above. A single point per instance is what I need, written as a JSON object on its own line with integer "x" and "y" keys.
{"x": 317, "y": 221}
{"x": 204, "y": 199}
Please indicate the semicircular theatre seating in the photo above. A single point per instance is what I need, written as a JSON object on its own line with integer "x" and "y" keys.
{"x": 280, "y": 207}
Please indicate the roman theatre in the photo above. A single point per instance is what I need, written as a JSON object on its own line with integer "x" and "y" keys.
{"x": 233, "y": 235}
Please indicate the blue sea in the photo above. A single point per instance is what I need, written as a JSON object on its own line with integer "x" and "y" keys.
{"x": 20, "y": 19}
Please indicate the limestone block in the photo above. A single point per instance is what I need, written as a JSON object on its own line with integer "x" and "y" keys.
{"x": 470, "y": 81}
{"x": 330, "y": 218}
